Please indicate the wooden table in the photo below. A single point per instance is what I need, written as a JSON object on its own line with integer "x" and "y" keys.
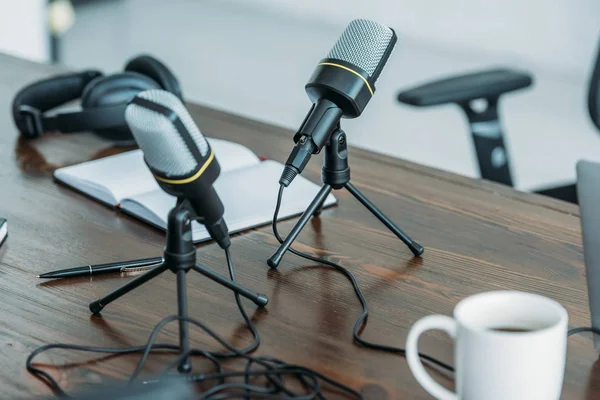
{"x": 479, "y": 236}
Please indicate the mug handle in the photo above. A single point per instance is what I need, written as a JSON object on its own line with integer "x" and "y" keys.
{"x": 428, "y": 323}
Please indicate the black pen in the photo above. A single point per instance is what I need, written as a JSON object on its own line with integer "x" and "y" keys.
{"x": 90, "y": 270}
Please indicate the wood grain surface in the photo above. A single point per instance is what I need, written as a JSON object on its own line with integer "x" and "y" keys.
{"x": 478, "y": 236}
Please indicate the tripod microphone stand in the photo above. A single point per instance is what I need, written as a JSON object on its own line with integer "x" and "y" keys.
{"x": 336, "y": 175}
{"x": 180, "y": 257}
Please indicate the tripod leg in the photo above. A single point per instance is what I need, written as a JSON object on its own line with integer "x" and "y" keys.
{"x": 184, "y": 341}
{"x": 278, "y": 255}
{"x": 317, "y": 213}
{"x": 415, "y": 247}
{"x": 259, "y": 299}
{"x": 98, "y": 305}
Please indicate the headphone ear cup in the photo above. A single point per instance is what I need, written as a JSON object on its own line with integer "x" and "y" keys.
{"x": 113, "y": 90}
{"x": 159, "y": 72}
{"x": 46, "y": 94}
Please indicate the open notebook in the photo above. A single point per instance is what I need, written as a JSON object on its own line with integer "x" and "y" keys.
{"x": 248, "y": 188}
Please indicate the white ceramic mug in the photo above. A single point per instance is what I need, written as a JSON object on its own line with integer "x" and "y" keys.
{"x": 493, "y": 364}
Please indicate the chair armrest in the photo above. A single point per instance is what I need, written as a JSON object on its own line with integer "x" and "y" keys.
{"x": 463, "y": 88}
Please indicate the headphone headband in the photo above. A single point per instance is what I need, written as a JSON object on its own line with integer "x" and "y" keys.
{"x": 103, "y": 100}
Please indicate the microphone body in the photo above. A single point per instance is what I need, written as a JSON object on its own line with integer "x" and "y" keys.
{"x": 341, "y": 86}
{"x": 179, "y": 156}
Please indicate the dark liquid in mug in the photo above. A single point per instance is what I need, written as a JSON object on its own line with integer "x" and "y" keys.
{"x": 508, "y": 329}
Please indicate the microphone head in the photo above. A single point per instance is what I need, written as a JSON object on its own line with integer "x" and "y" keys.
{"x": 365, "y": 44}
{"x": 348, "y": 74}
{"x": 178, "y": 156}
{"x": 173, "y": 146}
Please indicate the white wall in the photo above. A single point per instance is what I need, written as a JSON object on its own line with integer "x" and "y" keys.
{"x": 23, "y": 29}
{"x": 254, "y": 57}
{"x": 554, "y": 33}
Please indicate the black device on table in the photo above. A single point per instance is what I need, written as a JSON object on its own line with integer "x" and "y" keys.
{"x": 486, "y": 130}
{"x": 103, "y": 100}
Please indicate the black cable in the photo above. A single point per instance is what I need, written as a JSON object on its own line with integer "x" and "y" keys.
{"x": 277, "y": 372}
{"x": 248, "y": 321}
{"x": 194, "y": 352}
{"x": 281, "y": 368}
{"x": 231, "y": 353}
{"x": 574, "y": 331}
{"x": 306, "y": 384}
{"x": 229, "y": 386}
{"x": 51, "y": 382}
{"x": 361, "y": 322}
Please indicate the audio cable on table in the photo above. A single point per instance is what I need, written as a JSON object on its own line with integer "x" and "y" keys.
{"x": 283, "y": 380}
{"x": 361, "y": 322}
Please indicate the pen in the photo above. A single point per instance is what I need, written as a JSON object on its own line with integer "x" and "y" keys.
{"x": 90, "y": 270}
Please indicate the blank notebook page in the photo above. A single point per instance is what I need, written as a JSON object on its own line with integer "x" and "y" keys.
{"x": 118, "y": 177}
{"x": 110, "y": 179}
{"x": 249, "y": 196}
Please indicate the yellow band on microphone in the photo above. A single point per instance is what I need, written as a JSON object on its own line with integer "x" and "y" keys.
{"x": 191, "y": 178}
{"x": 351, "y": 70}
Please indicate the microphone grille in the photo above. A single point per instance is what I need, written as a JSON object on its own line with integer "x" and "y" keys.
{"x": 365, "y": 44}
{"x": 164, "y": 147}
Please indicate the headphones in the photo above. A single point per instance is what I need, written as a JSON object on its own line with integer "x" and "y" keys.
{"x": 103, "y": 100}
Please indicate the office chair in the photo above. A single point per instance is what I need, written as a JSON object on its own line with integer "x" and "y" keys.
{"x": 486, "y": 130}
{"x": 594, "y": 92}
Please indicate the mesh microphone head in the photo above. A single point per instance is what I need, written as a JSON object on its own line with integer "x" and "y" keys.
{"x": 165, "y": 148}
{"x": 366, "y": 44}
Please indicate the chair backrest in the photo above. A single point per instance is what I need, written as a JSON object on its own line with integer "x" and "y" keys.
{"x": 594, "y": 92}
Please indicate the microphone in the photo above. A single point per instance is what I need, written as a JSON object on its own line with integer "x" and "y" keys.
{"x": 341, "y": 86}
{"x": 179, "y": 156}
